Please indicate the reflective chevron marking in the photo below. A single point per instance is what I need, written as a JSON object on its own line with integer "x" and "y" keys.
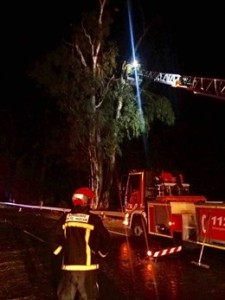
{"x": 164, "y": 252}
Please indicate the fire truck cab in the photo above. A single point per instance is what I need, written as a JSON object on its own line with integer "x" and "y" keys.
{"x": 144, "y": 185}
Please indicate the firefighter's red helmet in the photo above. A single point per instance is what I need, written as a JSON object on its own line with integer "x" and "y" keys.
{"x": 83, "y": 196}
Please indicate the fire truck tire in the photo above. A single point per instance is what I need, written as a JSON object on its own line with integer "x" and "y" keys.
{"x": 137, "y": 227}
{"x": 177, "y": 238}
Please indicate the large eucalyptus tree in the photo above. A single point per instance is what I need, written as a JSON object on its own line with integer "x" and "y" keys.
{"x": 100, "y": 104}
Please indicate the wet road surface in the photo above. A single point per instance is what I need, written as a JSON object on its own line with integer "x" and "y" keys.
{"x": 170, "y": 277}
{"x": 28, "y": 270}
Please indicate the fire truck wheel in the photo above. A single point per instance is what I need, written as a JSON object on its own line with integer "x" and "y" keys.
{"x": 137, "y": 228}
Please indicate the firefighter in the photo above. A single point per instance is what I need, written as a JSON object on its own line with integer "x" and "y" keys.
{"x": 84, "y": 240}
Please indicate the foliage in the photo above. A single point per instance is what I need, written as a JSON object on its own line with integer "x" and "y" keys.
{"x": 100, "y": 106}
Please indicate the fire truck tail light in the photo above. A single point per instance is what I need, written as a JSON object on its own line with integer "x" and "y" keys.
{"x": 171, "y": 223}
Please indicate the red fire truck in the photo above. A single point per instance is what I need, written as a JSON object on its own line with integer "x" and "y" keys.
{"x": 161, "y": 205}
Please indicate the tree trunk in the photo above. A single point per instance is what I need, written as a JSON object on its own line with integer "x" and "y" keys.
{"x": 95, "y": 166}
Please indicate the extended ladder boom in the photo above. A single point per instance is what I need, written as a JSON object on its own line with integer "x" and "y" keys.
{"x": 211, "y": 87}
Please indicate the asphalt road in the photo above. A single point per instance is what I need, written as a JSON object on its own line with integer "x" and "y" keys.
{"x": 28, "y": 270}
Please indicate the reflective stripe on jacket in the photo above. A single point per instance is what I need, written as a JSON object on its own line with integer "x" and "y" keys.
{"x": 81, "y": 235}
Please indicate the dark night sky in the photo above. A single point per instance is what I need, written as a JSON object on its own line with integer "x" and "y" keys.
{"x": 193, "y": 44}
{"x": 195, "y": 34}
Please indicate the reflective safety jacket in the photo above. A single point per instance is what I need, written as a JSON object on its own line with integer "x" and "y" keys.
{"x": 83, "y": 238}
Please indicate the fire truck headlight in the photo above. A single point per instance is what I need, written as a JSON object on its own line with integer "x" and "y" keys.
{"x": 126, "y": 219}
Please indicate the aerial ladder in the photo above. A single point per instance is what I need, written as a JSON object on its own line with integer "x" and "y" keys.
{"x": 211, "y": 87}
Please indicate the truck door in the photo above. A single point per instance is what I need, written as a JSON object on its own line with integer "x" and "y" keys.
{"x": 133, "y": 190}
